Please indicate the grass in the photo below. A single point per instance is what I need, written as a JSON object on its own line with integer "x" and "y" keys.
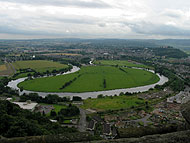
{"x": 21, "y": 75}
{"x": 67, "y": 122}
{"x": 112, "y": 103}
{"x": 39, "y": 65}
{"x": 120, "y": 63}
{"x": 92, "y": 79}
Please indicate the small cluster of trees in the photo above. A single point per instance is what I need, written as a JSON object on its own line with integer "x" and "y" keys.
{"x": 69, "y": 82}
{"x": 4, "y": 90}
{"x": 175, "y": 83}
{"x": 50, "y": 99}
{"x": 33, "y": 73}
{"x": 70, "y": 111}
{"x": 104, "y": 83}
{"x": 122, "y": 70}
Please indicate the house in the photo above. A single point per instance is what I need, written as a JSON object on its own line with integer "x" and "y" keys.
{"x": 114, "y": 132}
{"x": 91, "y": 125}
{"x": 27, "y": 105}
{"x": 107, "y": 129}
{"x": 44, "y": 108}
{"x": 97, "y": 119}
{"x": 120, "y": 124}
{"x": 77, "y": 102}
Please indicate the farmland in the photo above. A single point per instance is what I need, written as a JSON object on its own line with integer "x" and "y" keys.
{"x": 39, "y": 65}
{"x": 112, "y": 103}
{"x": 3, "y": 67}
{"x": 92, "y": 78}
{"x": 120, "y": 63}
{"x": 6, "y": 69}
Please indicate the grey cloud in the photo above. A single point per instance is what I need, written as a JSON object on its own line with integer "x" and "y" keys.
{"x": 102, "y": 24}
{"x": 153, "y": 29}
{"x": 172, "y": 13}
{"x": 72, "y": 19}
{"x": 14, "y": 30}
{"x": 64, "y": 3}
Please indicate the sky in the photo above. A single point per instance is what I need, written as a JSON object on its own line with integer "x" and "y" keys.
{"x": 124, "y": 19}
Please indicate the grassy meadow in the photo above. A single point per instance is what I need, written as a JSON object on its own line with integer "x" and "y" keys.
{"x": 112, "y": 103}
{"x": 93, "y": 78}
{"x": 39, "y": 65}
{"x": 120, "y": 63}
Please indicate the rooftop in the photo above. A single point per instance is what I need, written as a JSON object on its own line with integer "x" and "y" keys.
{"x": 26, "y": 105}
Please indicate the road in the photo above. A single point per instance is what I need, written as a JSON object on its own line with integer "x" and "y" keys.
{"x": 13, "y": 68}
{"x": 144, "y": 120}
{"x": 82, "y": 122}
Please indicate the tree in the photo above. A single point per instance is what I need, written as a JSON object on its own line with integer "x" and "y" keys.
{"x": 53, "y": 113}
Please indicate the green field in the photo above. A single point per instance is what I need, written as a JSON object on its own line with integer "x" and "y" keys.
{"x": 39, "y": 65}
{"x": 91, "y": 78}
{"x": 21, "y": 75}
{"x": 120, "y": 63}
{"x": 112, "y": 103}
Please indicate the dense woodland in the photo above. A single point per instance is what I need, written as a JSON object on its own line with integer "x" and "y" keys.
{"x": 16, "y": 122}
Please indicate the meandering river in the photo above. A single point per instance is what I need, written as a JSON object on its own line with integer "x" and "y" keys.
{"x": 13, "y": 84}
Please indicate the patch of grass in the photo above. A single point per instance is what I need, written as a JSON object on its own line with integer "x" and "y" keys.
{"x": 120, "y": 63}
{"x": 141, "y": 123}
{"x": 92, "y": 79}
{"x": 39, "y": 65}
{"x": 112, "y": 103}
{"x": 67, "y": 122}
{"x": 21, "y": 75}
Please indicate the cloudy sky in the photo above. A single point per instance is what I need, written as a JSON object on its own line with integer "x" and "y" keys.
{"x": 134, "y": 19}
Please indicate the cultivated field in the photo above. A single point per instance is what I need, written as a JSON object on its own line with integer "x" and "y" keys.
{"x": 3, "y": 67}
{"x": 61, "y": 54}
{"x": 92, "y": 78}
{"x": 112, "y": 103}
{"x": 6, "y": 69}
{"x": 120, "y": 63}
{"x": 38, "y": 65}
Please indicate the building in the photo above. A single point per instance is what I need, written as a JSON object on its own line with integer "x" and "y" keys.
{"x": 27, "y": 105}
{"x": 91, "y": 125}
{"x": 107, "y": 129}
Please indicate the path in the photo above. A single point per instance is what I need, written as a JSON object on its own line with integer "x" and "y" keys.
{"x": 82, "y": 122}
{"x": 144, "y": 120}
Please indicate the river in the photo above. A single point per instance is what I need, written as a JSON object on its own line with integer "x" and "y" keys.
{"x": 13, "y": 84}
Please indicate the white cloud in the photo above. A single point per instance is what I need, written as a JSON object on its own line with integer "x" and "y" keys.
{"x": 95, "y": 18}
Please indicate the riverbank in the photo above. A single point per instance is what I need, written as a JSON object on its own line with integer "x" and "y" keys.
{"x": 13, "y": 84}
